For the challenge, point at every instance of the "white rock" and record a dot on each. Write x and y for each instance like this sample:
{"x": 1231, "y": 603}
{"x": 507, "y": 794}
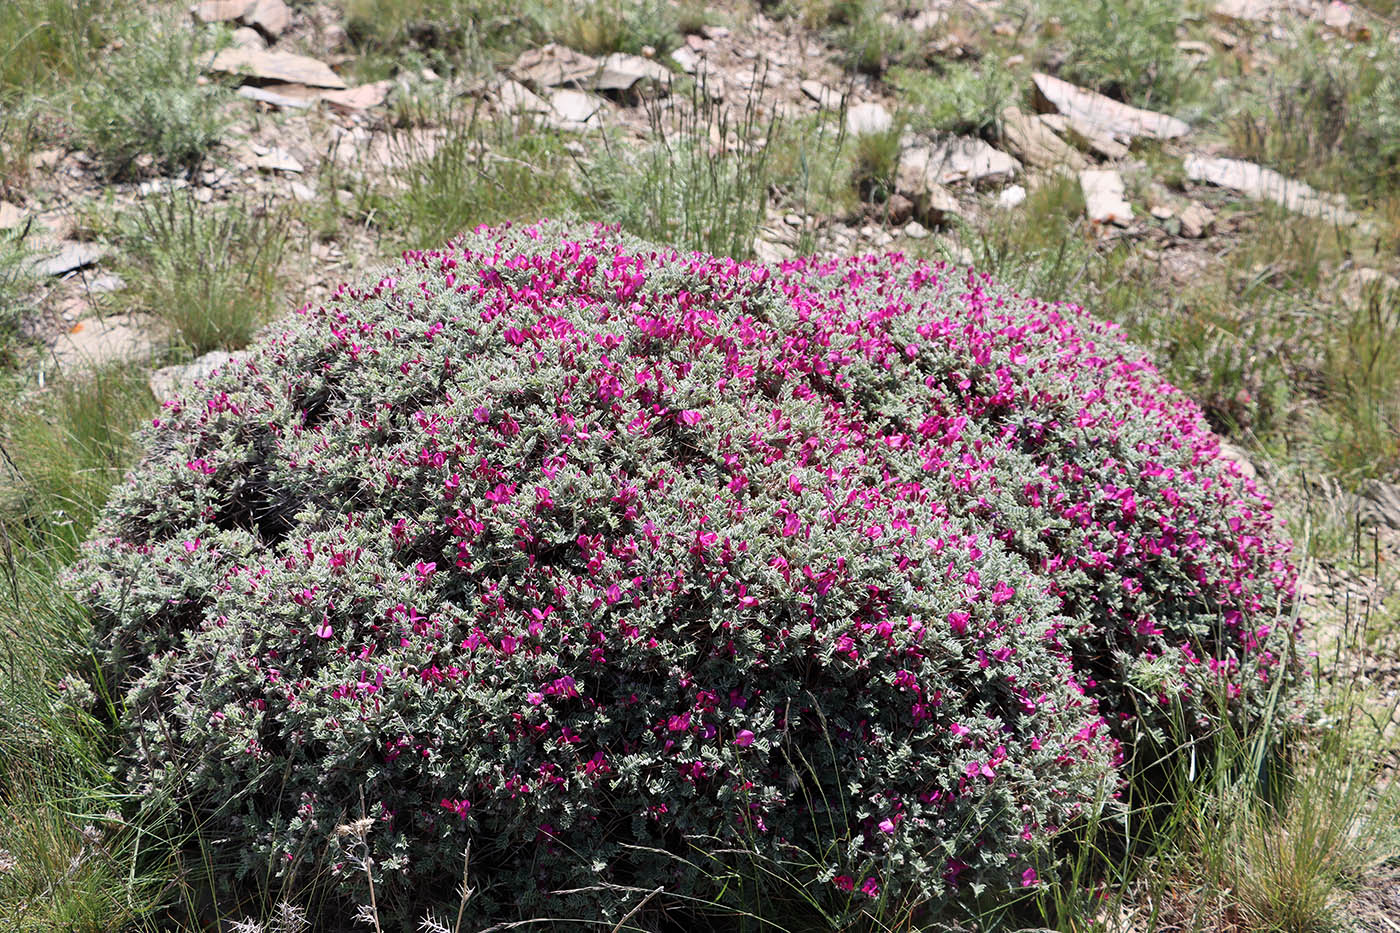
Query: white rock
{"x": 272, "y": 98}
{"x": 956, "y": 159}
{"x": 354, "y": 99}
{"x": 69, "y": 257}
{"x": 554, "y": 65}
{"x": 933, "y": 203}
{"x": 575, "y": 106}
{"x": 1265, "y": 184}
{"x": 621, "y": 72}
{"x": 107, "y": 282}
{"x": 279, "y": 160}
{"x": 686, "y": 58}
{"x": 10, "y": 216}
{"x": 1338, "y": 16}
{"x": 276, "y": 66}
{"x": 765, "y": 251}
{"x": 1012, "y": 196}
{"x": 1103, "y": 197}
{"x": 865, "y": 119}
{"x": 1196, "y": 220}
{"x": 95, "y": 341}
{"x": 915, "y": 230}
{"x": 517, "y": 98}
{"x": 219, "y": 11}
{"x": 1092, "y": 114}
{"x": 246, "y": 37}
{"x": 168, "y": 380}
{"x": 301, "y": 192}
{"x": 269, "y": 17}
{"x": 1036, "y": 142}
{"x": 1250, "y": 11}
{"x": 825, "y": 97}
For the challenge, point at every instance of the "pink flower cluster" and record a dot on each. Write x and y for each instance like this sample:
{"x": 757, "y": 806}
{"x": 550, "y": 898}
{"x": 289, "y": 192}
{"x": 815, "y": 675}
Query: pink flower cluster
{"x": 558, "y": 530}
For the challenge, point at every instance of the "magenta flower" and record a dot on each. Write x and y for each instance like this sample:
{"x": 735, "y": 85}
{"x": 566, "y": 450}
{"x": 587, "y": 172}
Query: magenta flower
{"x": 870, "y": 887}
{"x": 744, "y": 739}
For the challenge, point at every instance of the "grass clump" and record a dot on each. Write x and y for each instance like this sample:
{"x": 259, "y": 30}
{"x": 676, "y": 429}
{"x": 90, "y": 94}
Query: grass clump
{"x": 704, "y": 185}
{"x": 478, "y": 170}
{"x": 148, "y": 104}
{"x": 446, "y": 33}
{"x": 17, "y": 282}
{"x": 209, "y": 276}
{"x": 47, "y": 43}
{"x": 599, "y": 27}
{"x": 68, "y": 854}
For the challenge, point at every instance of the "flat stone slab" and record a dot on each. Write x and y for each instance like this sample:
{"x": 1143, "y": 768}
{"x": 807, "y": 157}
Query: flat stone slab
{"x": 867, "y": 119}
{"x": 364, "y": 97}
{"x": 622, "y": 72}
{"x": 1099, "y": 114}
{"x": 553, "y": 66}
{"x": 958, "y": 159}
{"x": 1036, "y": 142}
{"x": 10, "y": 216}
{"x": 1265, "y": 184}
{"x": 97, "y": 341}
{"x": 517, "y": 98}
{"x": 825, "y": 97}
{"x": 1103, "y": 197}
{"x": 70, "y": 256}
{"x": 269, "y": 95}
{"x": 169, "y": 380}
{"x": 220, "y": 11}
{"x": 276, "y": 66}
{"x": 575, "y": 106}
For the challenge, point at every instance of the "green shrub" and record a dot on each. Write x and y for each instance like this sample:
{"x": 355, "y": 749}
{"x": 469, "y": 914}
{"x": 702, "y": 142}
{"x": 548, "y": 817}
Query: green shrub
{"x": 956, "y": 98}
{"x": 147, "y": 101}
{"x": 1123, "y": 48}
{"x": 603, "y": 560}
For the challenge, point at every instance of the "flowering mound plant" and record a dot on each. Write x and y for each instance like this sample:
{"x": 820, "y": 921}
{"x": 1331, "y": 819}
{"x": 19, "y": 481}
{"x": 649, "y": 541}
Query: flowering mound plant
{"x": 607, "y": 560}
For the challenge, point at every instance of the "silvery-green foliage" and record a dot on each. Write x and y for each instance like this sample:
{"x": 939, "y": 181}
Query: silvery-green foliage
{"x": 596, "y": 557}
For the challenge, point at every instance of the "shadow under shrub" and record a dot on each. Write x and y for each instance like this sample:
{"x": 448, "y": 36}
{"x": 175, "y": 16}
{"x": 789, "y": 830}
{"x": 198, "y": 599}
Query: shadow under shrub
{"x": 590, "y": 553}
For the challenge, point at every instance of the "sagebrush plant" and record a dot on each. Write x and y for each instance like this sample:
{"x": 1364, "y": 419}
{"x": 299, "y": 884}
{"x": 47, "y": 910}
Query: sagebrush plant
{"x": 591, "y": 555}
{"x": 1141, "y": 65}
{"x": 956, "y": 97}
{"x": 146, "y": 101}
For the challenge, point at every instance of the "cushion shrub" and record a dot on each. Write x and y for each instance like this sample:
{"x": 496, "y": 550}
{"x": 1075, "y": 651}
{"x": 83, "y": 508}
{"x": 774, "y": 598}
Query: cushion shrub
{"x": 608, "y": 559}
